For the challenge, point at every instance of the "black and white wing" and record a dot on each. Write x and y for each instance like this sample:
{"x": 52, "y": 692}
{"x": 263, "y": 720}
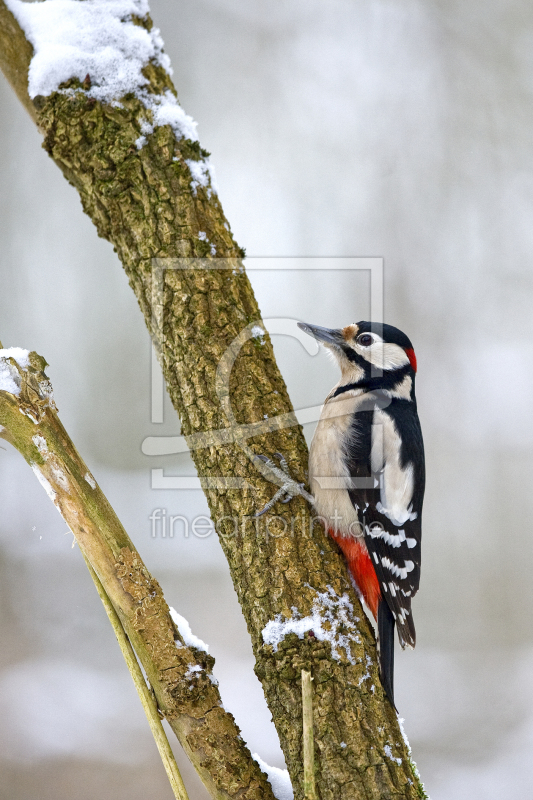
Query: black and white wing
{"x": 387, "y": 446}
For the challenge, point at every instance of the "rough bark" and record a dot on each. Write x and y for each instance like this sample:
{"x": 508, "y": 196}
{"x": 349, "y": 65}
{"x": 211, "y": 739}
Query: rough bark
{"x": 180, "y": 676}
{"x": 144, "y": 202}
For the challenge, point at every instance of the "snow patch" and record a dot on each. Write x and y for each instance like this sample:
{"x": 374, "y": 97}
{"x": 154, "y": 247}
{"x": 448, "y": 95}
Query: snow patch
{"x": 165, "y": 111}
{"x": 99, "y": 39}
{"x": 72, "y": 39}
{"x": 258, "y": 333}
{"x": 388, "y": 752}
{"x": 367, "y": 673}
{"x": 329, "y": 614}
{"x": 401, "y": 720}
{"x": 185, "y": 630}
{"x": 404, "y": 735}
{"x": 278, "y": 778}
{"x": 203, "y": 238}
{"x": 90, "y": 480}
{"x": 44, "y": 483}
{"x": 203, "y": 174}
{"x": 21, "y": 356}
{"x": 9, "y": 377}
{"x": 192, "y": 673}
{"x": 40, "y": 444}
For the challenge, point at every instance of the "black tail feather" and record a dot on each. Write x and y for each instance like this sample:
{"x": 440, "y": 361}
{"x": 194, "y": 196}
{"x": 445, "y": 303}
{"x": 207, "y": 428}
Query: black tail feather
{"x": 386, "y": 625}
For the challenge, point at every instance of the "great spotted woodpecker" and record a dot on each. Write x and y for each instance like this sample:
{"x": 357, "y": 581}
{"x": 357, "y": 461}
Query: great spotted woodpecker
{"x": 367, "y": 476}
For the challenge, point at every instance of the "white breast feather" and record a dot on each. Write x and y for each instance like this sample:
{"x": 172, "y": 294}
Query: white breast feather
{"x": 327, "y": 460}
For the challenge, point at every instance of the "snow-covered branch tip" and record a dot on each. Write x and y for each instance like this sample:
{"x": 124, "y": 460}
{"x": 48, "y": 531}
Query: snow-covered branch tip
{"x": 107, "y": 45}
{"x": 22, "y": 375}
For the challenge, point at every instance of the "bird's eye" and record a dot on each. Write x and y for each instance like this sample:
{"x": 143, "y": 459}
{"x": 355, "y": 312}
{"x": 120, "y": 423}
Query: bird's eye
{"x": 365, "y": 340}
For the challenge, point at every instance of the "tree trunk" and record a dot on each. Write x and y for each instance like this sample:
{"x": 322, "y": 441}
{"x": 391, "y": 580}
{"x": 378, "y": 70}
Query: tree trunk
{"x": 149, "y": 205}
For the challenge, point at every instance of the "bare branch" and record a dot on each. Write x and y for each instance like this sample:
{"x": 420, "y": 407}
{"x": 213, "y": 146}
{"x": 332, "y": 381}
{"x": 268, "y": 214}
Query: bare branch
{"x": 181, "y": 677}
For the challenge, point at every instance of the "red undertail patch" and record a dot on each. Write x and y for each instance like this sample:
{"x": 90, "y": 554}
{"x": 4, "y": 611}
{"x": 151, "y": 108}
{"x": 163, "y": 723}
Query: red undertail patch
{"x": 361, "y": 568}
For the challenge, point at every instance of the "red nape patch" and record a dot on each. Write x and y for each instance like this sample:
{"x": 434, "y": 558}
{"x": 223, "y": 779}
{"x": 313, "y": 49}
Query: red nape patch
{"x": 411, "y": 356}
{"x": 361, "y": 568}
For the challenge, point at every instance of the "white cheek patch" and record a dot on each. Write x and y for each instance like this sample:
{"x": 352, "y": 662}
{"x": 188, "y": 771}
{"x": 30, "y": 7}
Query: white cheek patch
{"x": 384, "y": 355}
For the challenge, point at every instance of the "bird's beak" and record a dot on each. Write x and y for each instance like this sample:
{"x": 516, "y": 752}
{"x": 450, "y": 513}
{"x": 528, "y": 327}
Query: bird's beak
{"x": 331, "y": 336}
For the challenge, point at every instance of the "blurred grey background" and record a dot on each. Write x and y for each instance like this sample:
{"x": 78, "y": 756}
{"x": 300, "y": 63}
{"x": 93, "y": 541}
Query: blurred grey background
{"x": 394, "y": 129}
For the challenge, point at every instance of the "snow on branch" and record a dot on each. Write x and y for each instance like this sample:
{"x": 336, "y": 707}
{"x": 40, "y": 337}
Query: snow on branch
{"x": 103, "y": 44}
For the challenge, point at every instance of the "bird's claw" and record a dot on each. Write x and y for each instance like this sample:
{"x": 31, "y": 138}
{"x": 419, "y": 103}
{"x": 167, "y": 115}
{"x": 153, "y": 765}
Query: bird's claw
{"x": 289, "y": 488}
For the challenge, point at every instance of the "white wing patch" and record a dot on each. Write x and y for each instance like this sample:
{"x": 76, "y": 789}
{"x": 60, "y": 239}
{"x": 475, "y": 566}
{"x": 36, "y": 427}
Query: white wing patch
{"x": 400, "y": 572}
{"x": 394, "y": 539}
{"x": 397, "y": 484}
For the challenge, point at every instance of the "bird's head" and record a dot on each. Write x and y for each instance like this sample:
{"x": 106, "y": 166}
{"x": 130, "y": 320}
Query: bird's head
{"x": 368, "y": 353}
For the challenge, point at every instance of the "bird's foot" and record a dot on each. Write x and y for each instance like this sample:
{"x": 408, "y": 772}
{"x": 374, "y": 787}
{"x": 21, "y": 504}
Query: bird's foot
{"x": 289, "y": 487}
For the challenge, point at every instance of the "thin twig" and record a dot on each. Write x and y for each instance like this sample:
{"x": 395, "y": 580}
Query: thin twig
{"x": 145, "y": 696}
{"x": 308, "y": 738}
